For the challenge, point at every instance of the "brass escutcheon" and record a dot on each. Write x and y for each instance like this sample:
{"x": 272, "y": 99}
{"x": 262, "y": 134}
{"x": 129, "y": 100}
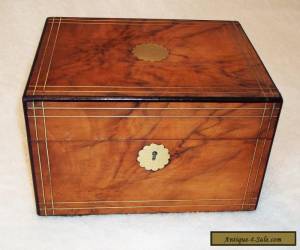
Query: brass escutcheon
{"x": 153, "y": 157}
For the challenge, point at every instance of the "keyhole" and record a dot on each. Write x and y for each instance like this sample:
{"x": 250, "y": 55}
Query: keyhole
{"x": 154, "y": 154}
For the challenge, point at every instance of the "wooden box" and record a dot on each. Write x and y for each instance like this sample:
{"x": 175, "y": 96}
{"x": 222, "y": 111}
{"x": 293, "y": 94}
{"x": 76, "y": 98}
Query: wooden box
{"x": 144, "y": 116}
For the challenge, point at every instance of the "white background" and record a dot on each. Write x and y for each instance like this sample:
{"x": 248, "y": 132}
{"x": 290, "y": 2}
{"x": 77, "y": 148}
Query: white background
{"x": 274, "y": 29}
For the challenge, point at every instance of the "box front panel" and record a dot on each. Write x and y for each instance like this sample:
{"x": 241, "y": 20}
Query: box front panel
{"x": 85, "y": 155}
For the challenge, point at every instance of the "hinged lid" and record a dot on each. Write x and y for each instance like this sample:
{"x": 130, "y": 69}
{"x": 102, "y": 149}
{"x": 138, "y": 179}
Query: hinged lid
{"x": 138, "y": 59}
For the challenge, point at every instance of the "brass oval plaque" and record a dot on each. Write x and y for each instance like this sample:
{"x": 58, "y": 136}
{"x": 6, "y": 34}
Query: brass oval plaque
{"x": 153, "y": 157}
{"x": 150, "y": 52}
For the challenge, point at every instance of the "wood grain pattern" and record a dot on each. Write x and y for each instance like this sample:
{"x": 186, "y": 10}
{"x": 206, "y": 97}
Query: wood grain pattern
{"x": 84, "y": 57}
{"x": 88, "y": 165}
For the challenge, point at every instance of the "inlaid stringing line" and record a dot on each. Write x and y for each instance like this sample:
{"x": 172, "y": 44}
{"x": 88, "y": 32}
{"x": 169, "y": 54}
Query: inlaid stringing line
{"x": 253, "y": 157}
{"x": 139, "y": 87}
{"x": 149, "y": 116}
{"x": 39, "y": 159}
{"x": 48, "y": 160}
{"x": 52, "y": 54}
{"x": 43, "y": 58}
{"x": 146, "y": 108}
{"x": 130, "y": 23}
{"x": 149, "y": 206}
{"x": 263, "y": 149}
{"x": 247, "y": 59}
{"x": 137, "y": 201}
{"x": 132, "y": 20}
{"x": 102, "y": 140}
{"x": 131, "y": 91}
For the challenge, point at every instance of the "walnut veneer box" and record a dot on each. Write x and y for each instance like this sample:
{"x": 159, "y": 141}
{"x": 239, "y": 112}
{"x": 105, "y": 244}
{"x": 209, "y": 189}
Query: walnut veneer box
{"x": 138, "y": 116}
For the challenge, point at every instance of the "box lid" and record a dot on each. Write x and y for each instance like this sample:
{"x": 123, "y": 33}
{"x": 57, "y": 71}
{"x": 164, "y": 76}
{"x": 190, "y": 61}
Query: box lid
{"x": 147, "y": 59}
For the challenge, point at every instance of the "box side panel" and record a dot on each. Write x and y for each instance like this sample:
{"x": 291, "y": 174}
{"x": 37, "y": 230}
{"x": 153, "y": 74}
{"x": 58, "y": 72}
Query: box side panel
{"x": 85, "y": 156}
